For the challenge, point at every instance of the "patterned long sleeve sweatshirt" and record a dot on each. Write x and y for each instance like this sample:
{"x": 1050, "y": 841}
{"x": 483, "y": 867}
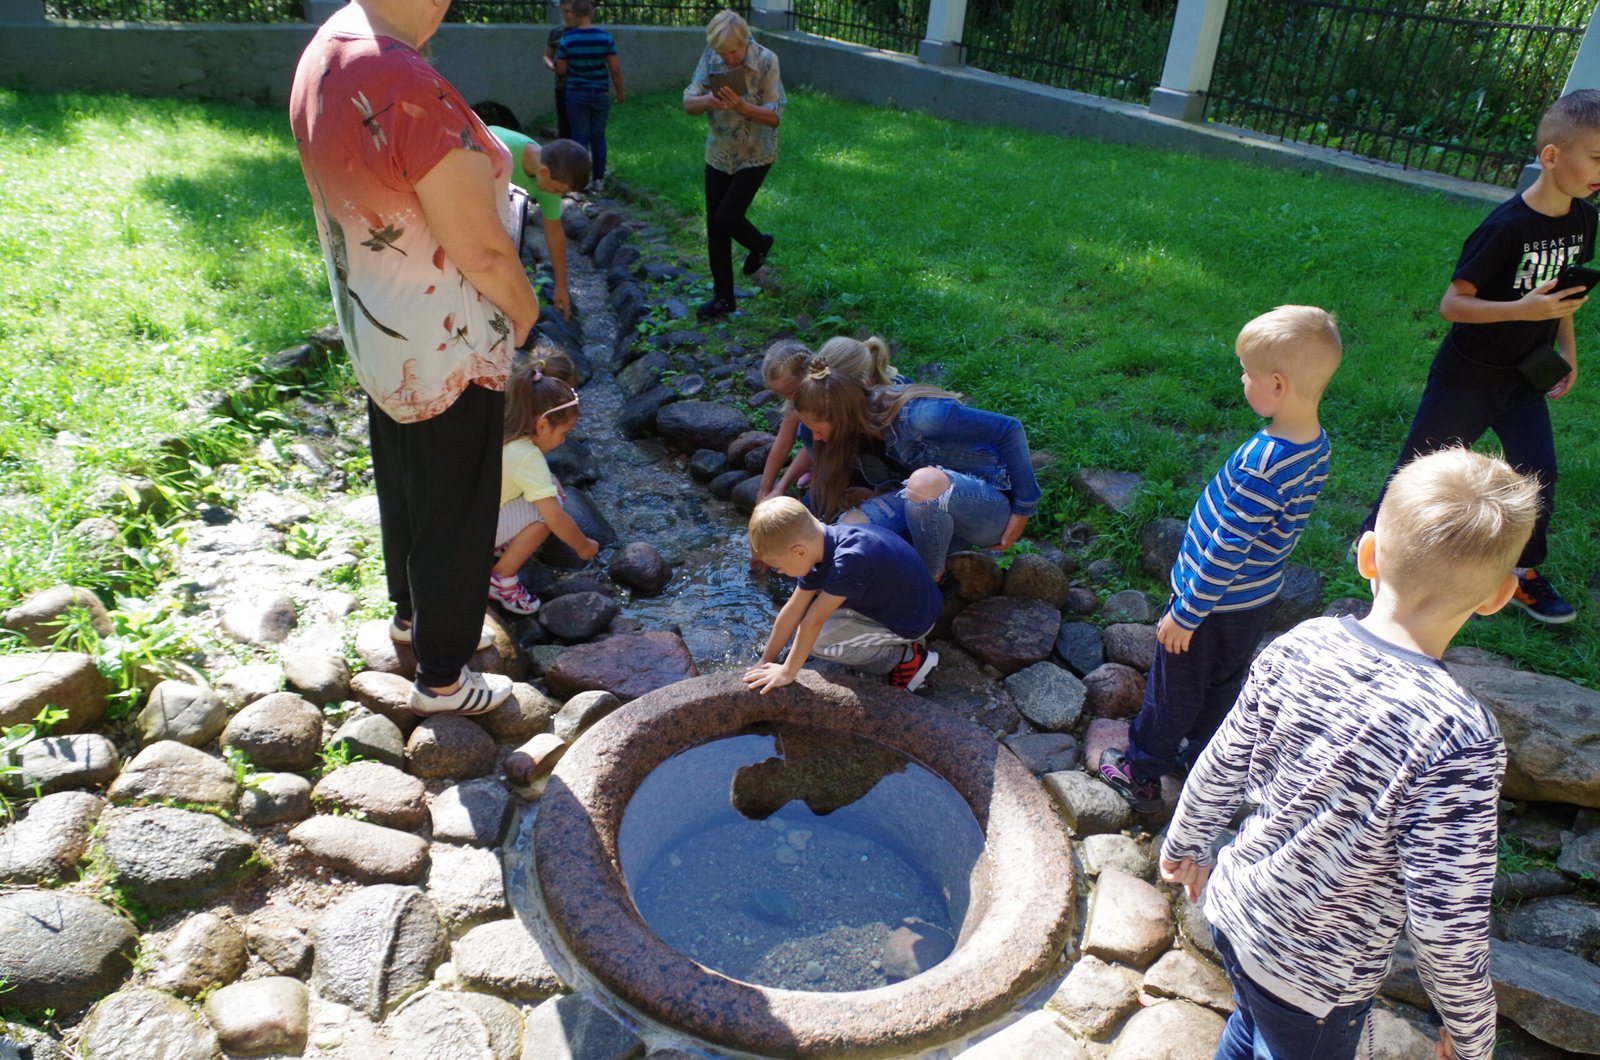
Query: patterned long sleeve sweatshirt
{"x": 1376, "y": 779}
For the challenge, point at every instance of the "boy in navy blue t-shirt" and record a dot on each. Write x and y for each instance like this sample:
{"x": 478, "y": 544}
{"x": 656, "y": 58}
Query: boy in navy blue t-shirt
{"x": 865, "y": 598}
{"x": 1511, "y": 342}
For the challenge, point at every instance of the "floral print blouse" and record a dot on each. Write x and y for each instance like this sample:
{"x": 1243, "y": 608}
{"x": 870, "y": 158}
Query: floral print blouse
{"x": 736, "y": 142}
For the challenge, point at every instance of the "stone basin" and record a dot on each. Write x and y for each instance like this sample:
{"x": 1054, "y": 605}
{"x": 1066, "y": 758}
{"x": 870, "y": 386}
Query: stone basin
{"x": 1017, "y": 921}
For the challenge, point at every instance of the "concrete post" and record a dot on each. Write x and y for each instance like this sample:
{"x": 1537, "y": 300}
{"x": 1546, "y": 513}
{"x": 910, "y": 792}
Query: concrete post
{"x": 1191, "y": 53}
{"x": 552, "y": 12}
{"x": 22, "y": 11}
{"x": 947, "y": 20}
{"x": 1585, "y": 73}
{"x": 319, "y": 11}
{"x": 771, "y": 14}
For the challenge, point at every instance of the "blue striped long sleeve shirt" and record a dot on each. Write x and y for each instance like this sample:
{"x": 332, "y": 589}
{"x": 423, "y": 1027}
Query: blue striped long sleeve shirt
{"x": 1376, "y": 779}
{"x": 1244, "y": 526}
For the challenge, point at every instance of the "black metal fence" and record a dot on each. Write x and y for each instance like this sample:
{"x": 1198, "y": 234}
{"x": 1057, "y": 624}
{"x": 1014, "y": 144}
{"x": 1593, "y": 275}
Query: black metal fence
{"x": 612, "y": 12}
{"x": 176, "y": 10}
{"x": 1455, "y": 88}
{"x": 893, "y": 25}
{"x": 1109, "y": 48}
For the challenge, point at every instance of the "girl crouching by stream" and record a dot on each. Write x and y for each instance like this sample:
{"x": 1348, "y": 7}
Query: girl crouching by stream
{"x": 541, "y": 409}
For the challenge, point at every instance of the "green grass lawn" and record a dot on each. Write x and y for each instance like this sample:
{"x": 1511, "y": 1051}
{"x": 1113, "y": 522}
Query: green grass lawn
{"x": 155, "y": 249}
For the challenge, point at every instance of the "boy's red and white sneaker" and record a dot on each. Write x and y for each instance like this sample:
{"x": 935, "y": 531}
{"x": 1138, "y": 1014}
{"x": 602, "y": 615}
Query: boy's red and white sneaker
{"x": 509, "y": 594}
{"x": 911, "y": 672}
{"x": 1539, "y": 598}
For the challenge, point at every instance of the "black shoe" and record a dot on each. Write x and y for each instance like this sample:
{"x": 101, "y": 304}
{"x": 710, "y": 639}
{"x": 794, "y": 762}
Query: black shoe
{"x": 716, "y": 307}
{"x": 757, "y": 258}
{"x": 1539, "y": 598}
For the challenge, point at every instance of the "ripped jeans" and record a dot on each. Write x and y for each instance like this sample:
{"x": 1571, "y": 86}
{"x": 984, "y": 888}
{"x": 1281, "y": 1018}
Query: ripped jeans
{"x": 970, "y": 514}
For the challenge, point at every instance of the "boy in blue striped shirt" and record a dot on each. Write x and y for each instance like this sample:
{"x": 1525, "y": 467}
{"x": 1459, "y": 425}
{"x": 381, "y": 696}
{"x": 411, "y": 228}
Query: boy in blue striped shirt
{"x": 587, "y": 57}
{"x": 1239, "y": 537}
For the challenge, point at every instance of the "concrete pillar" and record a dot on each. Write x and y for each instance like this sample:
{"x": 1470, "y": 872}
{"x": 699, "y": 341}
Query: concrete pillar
{"x": 1585, "y": 73}
{"x": 22, "y": 11}
{"x": 771, "y": 14}
{"x": 319, "y": 11}
{"x": 947, "y": 20}
{"x": 1191, "y": 53}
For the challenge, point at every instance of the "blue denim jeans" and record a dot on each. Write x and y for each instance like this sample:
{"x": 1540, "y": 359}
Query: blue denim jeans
{"x": 587, "y": 110}
{"x": 970, "y": 514}
{"x": 1264, "y": 1028}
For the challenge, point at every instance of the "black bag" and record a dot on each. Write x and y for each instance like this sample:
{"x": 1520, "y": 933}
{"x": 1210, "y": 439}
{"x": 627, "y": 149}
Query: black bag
{"x": 1544, "y": 366}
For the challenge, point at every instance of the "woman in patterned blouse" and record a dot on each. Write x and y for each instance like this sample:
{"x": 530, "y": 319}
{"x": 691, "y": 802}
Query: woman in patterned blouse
{"x": 741, "y": 148}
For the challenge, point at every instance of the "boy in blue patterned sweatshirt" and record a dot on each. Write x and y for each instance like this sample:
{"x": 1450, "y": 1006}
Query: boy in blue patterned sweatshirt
{"x": 1239, "y": 537}
{"x": 1376, "y": 779}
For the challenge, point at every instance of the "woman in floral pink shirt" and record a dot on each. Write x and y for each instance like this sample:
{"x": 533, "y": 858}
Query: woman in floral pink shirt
{"x": 409, "y": 191}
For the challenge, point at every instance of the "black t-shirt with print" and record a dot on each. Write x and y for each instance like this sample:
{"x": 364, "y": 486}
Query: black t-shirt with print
{"x": 1514, "y": 250}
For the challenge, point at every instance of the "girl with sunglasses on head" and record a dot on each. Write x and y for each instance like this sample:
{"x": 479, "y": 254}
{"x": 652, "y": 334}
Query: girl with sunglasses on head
{"x": 541, "y": 409}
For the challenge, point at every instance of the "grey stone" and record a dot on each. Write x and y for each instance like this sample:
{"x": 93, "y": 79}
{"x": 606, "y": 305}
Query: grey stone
{"x": 1551, "y": 728}
{"x": 448, "y": 1025}
{"x": 723, "y": 485}
{"x": 1045, "y": 752}
{"x": 171, "y": 770}
{"x": 47, "y": 842}
{"x": 473, "y": 812}
{"x": 1113, "y": 690}
{"x": 66, "y": 680}
{"x": 741, "y": 447}
{"x": 1580, "y": 855}
{"x": 578, "y": 617}
{"x": 1131, "y": 645}
{"x": 387, "y": 695}
{"x": 1180, "y": 974}
{"x": 501, "y": 957}
{"x": 1160, "y": 541}
{"x": 525, "y": 715}
{"x": 206, "y": 952}
{"x": 1036, "y": 1035}
{"x": 1081, "y": 601}
{"x": 707, "y": 464}
{"x": 320, "y": 677}
{"x": 169, "y": 858}
{"x": 449, "y": 748}
{"x": 643, "y": 374}
{"x": 1533, "y": 883}
{"x": 1080, "y": 646}
{"x": 375, "y": 737}
{"x": 691, "y": 425}
{"x": 280, "y": 936}
{"x": 61, "y": 950}
{"x": 41, "y": 617}
{"x": 272, "y": 798}
{"x": 262, "y": 620}
{"x": 1171, "y": 1030}
{"x": 183, "y": 712}
{"x": 755, "y": 461}
{"x": 281, "y": 731}
{"x": 1096, "y": 996}
{"x": 1195, "y": 927}
{"x": 383, "y": 793}
{"x": 1550, "y": 994}
{"x": 146, "y": 1023}
{"x": 61, "y": 763}
{"x": 573, "y": 463}
{"x": 582, "y": 711}
{"x": 572, "y": 1027}
{"x": 744, "y": 496}
{"x": 1395, "y": 1038}
{"x": 1129, "y": 605}
{"x": 270, "y": 1015}
{"x": 976, "y": 574}
{"x": 367, "y": 853}
{"x": 1300, "y": 597}
{"x": 466, "y": 884}
{"x": 1129, "y": 920}
{"x": 274, "y": 509}
{"x": 638, "y": 415}
{"x": 1109, "y": 489}
{"x": 375, "y": 947}
{"x": 640, "y": 567}
{"x": 1047, "y": 695}
{"x": 1562, "y": 923}
{"x": 1112, "y": 850}
{"x": 1008, "y": 632}
{"x": 243, "y": 685}
{"x": 1088, "y": 806}
{"x": 1037, "y": 578}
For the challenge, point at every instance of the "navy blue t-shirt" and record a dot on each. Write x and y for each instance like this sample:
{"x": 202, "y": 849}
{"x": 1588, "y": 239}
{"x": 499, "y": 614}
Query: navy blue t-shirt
{"x": 585, "y": 49}
{"x": 879, "y": 575}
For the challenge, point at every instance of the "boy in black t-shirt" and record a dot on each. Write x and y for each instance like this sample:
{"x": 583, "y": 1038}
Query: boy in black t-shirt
{"x": 865, "y": 598}
{"x": 1506, "y": 318}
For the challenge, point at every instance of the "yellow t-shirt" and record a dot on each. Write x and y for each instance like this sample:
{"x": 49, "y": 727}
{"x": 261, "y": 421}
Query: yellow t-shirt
{"x": 524, "y": 473}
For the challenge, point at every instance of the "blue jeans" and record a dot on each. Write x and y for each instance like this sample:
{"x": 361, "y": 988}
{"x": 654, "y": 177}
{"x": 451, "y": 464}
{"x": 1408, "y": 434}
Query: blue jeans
{"x": 970, "y": 514}
{"x": 587, "y": 110}
{"x": 1264, "y": 1028}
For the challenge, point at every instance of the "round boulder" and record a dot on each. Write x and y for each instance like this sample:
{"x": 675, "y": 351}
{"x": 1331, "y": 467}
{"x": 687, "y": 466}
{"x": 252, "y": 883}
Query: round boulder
{"x": 1035, "y": 577}
{"x": 578, "y": 616}
{"x": 1008, "y": 632}
{"x": 61, "y": 950}
{"x": 41, "y": 617}
{"x": 691, "y": 425}
{"x": 1113, "y": 691}
{"x": 282, "y": 731}
{"x": 167, "y": 857}
{"x": 640, "y": 567}
{"x": 450, "y": 747}
{"x": 178, "y": 710}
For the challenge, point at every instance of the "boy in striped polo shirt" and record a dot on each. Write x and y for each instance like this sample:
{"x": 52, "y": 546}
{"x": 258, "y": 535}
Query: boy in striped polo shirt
{"x": 1239, "y": 538}
{"x": 587, "y": 57}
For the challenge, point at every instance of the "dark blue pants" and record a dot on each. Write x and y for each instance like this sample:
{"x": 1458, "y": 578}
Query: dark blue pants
{"x": 1186, "y": 696}
{"x": 587, "y": 110}
{"x": 1454, "y": 414}
{"x": 1264, "y": 1028}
